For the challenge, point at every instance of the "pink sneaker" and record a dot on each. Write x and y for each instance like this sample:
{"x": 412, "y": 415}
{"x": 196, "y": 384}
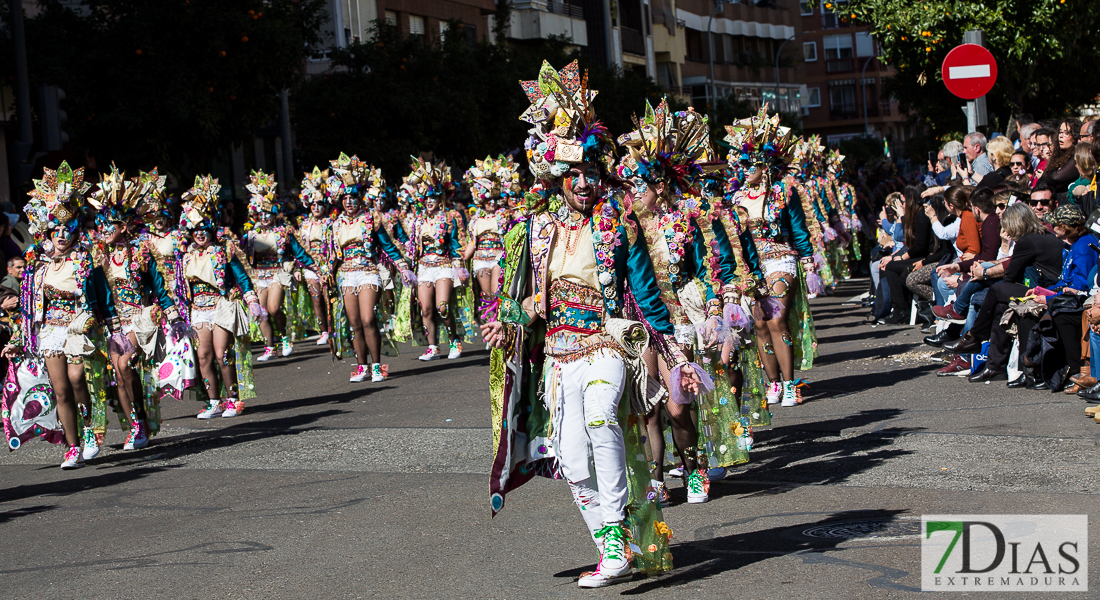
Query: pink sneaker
{"x": 360, "y": 374}
{"x": 73, "y": 459}
{"x": 431, "y": 354}
{"x": 269, "y": 353}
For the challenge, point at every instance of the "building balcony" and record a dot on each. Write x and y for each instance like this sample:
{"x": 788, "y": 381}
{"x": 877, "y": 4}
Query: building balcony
{"x": 633, "y": 41}
{"x": 840, "y": 65}
{"x": 539, "y": 19}
{"x": 843, "y": 113}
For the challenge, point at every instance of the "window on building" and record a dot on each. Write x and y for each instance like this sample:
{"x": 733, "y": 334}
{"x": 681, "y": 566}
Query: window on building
{"x": 838, "y": 53}
{"x": 865, "y": 44}
{"x": 842, "y": 101}
{"x": 809, "y": 51}
{"x": 728, "y": 51}
{"x": 814, "y": 99}
{"x": 391, "y": 18}
{"x": 807, "y": 7}
{"x": 416, "y": 25}
{"x": 696, "y": 45}
{"x": 831, "y": 11}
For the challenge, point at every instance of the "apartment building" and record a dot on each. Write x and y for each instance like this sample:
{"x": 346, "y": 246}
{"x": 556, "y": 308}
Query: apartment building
{"x": 843, "y": 78}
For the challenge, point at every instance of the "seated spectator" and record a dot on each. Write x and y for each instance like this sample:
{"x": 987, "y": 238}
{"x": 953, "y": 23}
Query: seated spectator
{"x": 919, "y": 243}
{"x": 1019, "y": 165}
{"x": 1037, "y": 258}
{"x": 1077, "y": 265}
{"x": 919, "y": 280}
{"x": 1086, "y": 171}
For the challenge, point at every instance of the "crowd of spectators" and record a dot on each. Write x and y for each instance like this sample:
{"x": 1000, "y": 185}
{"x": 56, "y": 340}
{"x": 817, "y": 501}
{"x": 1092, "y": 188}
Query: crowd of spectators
{"x": 995, "y": 254}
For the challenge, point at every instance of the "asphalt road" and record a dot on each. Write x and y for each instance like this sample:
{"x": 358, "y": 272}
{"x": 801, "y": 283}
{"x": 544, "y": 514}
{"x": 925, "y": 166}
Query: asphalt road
{"x": 328, "y": 489}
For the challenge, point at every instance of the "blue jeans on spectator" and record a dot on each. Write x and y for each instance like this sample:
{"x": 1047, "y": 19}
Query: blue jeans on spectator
{"x": 1094, "y": 351}
{"x": 976, "y": 300}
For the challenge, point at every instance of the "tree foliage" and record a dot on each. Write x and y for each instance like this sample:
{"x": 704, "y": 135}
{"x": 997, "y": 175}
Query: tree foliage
{"x": 1046, "y": 50}
{"x": 394, "y": 95}
{"x": 172, "y": 83}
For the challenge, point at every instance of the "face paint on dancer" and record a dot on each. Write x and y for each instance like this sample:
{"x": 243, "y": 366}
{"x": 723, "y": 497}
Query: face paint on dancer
{"x": 62, "y": 239}
{"x": 351, "y": 205}
{"x": 431, "y": 203}
{"x": 110, "y": 232}
{"x": 317, "y": 210}
{"x": 267, "y": 219}
{"x": 202, "y": 237}
{"x": 581, "y": 187}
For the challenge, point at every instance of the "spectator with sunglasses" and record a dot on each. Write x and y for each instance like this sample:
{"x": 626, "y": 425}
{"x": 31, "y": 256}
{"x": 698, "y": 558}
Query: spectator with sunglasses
{"x": 1042, "y": 202}
{"x": 1019, "y": 165}
{"x": 1041, "y": 150}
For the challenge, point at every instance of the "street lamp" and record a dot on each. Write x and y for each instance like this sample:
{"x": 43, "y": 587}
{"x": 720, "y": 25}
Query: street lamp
{"x": 711, "y": 92}
{"x": 778, "y": 53}
{"x": 863, "y": 86}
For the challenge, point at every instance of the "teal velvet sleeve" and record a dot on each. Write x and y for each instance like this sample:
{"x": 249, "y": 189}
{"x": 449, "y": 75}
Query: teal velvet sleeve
{"x": 727, "y": 260}
{"x": 383, "y": 241}
{"x": 699, "y": 257}
{"x": 240, "y": 276}
{"x": 796, "y": 223}
{"x": 636, "y": 265}
{"x": 97, "y": 294}
{"x": 752, "y": 257}
{"x": 399, "y": 231}
{"x": 155, "y": 286}
{"x": 300, "y": 253}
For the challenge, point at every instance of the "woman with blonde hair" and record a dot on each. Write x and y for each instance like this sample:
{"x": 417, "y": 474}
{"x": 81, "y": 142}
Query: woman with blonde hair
{"x": 1000, "y": 154}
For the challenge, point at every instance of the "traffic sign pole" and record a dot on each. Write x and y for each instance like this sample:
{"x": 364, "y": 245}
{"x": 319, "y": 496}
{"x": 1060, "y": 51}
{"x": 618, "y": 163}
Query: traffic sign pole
{"x": 977, "y": 105}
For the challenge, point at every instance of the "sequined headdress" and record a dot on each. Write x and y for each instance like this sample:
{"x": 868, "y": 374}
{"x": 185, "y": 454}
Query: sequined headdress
{"x": 263, "y": 199}
{"x": 56, "y": 201}
{"x": 760, "y": 140}
{"x": 564, "y": 127}
{"x": 427, "y": 180}
{"x": 492, "y": 179}
{"x": 667, "y": 147}
{"x": 348, "y": 175}
{"x": 201, "y": 204}
{"x": 117, "y": 199}
{"x": 313, "y": 187}
{"x": 834, "y": 162}
{"x": 154, "y": 203}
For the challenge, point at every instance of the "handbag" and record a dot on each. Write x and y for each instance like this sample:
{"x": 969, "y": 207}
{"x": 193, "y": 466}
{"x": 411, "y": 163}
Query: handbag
{"x": 30, "y": 407}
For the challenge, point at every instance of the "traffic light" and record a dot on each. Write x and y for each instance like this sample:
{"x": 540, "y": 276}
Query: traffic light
{"x": 51, "y": 118}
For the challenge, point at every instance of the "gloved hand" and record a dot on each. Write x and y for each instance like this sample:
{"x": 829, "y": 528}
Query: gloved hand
{"x": 179, "y": 331}
{"x": 258, "y": 312}
{"x": 408, "y": 278}
{"x": 119, "y": 344}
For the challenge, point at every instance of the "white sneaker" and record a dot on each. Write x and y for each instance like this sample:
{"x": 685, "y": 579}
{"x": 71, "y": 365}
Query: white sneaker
{"x": 323, "y": 340}
{"x": 212, "y": 410}
{"x": 677, "y": 471}
{"x": 376, "y": 374}
{"x": 359, "y": 374}
{"x": 775, "y": 392}
{"x": 431, "y": 354}
{"x": 288, "y": 347}
{"x": 614, "y": 564}
{"x": 91, "y": 445}
{"x": 698, "y": 487}
{"x": 73, "y": 459}
{"x": 456, "y": 350}
{"x": 790, "y": 394}
{"x": 269, "y": 352}
{"x": 231, "y": 409}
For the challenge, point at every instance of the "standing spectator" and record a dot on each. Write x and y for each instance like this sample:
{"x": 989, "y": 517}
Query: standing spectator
{"x": 974, "y": 146}
{"x": 8, "y": 247}
{"x": 1061, "y": 171}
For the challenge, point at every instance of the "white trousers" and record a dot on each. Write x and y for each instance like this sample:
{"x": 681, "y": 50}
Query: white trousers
{"x": 583, "y": 398}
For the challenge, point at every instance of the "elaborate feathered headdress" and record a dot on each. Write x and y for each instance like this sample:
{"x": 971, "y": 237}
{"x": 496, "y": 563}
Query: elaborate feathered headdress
{"x": 154, "y": 203}
{"x": 201, "y": 204}
{"x": 564, "y": 127}
{"x": 493, "y": 178}
{"x": 427, "y": 180}
{"x": 263, "y": 199}
{"x": 834, "y": 162}
{"x": 57, "y": 200}
{"x": 667, "y": 147}
{"x": 313, "y": 187}
{"x": 117, "y": 199}
{"x": 759, "y": 140}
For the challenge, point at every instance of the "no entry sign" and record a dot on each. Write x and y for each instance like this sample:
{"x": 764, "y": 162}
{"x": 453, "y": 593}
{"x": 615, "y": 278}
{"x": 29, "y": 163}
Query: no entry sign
{"x": 969, "y": 71}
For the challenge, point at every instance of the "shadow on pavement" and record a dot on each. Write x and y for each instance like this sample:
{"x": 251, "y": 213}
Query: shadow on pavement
{"x": 862, "y": 382}
{"x": 76, "y": 485}
{"x": 15, "y": 513}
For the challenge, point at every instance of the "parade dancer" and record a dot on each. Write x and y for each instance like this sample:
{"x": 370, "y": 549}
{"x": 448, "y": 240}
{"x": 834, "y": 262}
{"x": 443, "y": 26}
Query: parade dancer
{"x": 567, "y": 272}
{"x": 271, "y": 245}
{"x": 435, "y": 245}
{"x": 315, "y": 229}
{"x": 136, "y": 290}
{"x": 663, "y": 176}
{"x": 492, "y": 183}
{"x": 61, "y": 307}
{"x": 360, "y": 244}
{"x": 763, "y": 149}
{"x": 215, "y": 284}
